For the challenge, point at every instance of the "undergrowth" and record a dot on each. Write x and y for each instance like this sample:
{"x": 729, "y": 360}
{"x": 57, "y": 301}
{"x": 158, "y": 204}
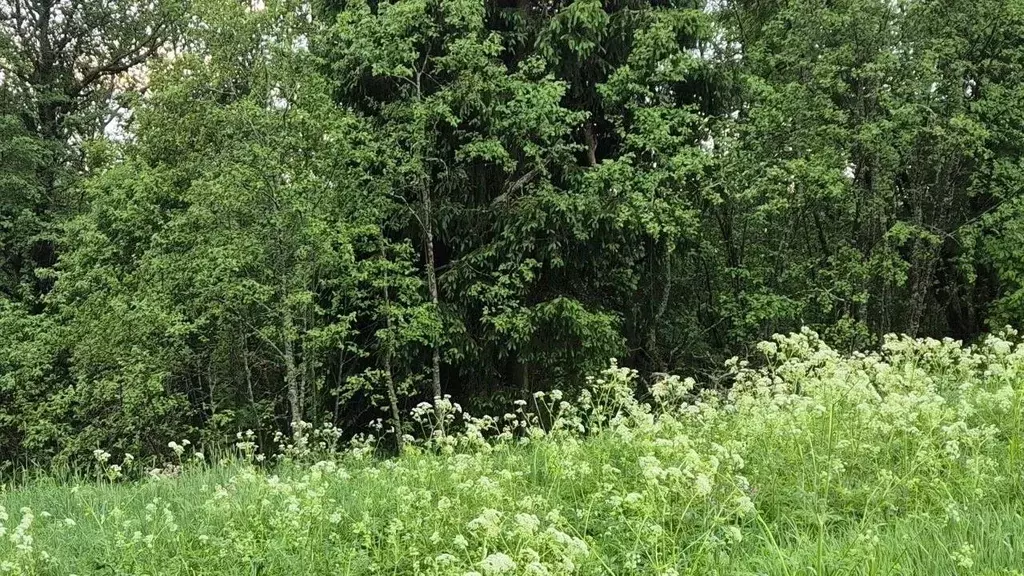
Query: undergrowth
{"x": 903, "y": 461}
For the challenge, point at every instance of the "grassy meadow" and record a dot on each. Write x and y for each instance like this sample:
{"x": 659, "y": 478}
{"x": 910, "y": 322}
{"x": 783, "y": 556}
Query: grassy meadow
{"x": 902, "y": 461}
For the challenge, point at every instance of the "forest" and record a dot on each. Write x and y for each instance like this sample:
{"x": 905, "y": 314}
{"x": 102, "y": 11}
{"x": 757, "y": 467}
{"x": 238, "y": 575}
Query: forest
{"x": 230, "y": 215}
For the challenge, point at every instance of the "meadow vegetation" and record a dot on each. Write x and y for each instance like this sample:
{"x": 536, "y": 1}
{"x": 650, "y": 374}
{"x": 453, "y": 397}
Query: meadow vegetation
{"x": 221, "y": 215}
{"x": 906, "y": 460}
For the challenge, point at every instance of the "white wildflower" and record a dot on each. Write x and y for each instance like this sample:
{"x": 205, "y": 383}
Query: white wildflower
{"x": 498, "y": 563}
{"x": 528, "y": 523}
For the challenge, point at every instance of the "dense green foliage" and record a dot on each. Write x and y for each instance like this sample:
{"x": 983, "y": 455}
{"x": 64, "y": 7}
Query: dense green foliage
{"x": 218, "y": 215}
{"x": 904, "y": 461}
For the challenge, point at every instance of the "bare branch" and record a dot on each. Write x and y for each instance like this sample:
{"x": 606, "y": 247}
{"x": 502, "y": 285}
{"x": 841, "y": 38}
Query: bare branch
{"x": 122, "y": 62}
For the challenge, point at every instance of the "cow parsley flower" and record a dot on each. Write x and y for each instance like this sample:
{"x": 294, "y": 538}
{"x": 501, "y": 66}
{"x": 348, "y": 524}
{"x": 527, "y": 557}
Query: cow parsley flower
{"x": 488, "y": 523}
{"x": 745, "y": 506}
{"x": 498, "y": 563}
{"x": 527, "y": 523}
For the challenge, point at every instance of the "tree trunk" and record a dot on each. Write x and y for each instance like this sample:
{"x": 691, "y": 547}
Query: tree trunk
{"x": 389, "y": 381}
{"x": 657, "y": 361}
{"x": 396, "y": 414}
{"x": 248, "y": 386}
{"x": 926, "y": 257}
{"x": 521, "y": 374}
{"x": 306, "y": 376}
{"x": 428, "y": 240}
{"x": 339, "y": 379}
{"x": 591, "y": 141}
{"x": 291, "y": 372}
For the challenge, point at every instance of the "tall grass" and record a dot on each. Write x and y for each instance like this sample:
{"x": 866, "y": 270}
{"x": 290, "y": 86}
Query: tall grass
{"x": 905, "y": 461}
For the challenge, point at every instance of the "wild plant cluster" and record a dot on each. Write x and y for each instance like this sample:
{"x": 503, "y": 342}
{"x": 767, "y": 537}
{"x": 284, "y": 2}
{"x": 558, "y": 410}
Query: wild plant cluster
{"x": 906, "y": 460}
